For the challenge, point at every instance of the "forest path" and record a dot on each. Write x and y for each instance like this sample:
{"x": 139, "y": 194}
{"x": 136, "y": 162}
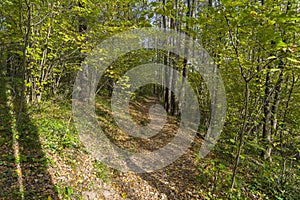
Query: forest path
{"x": 175, "y": 181}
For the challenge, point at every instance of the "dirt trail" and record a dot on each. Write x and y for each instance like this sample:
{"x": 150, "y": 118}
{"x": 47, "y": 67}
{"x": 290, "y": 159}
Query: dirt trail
{"x": 176, "y": 181}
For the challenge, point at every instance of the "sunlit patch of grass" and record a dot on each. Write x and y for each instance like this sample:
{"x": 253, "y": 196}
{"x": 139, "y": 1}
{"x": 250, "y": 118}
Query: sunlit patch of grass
{"x": 102, "y": 171}
{"x": 56, "y": 129}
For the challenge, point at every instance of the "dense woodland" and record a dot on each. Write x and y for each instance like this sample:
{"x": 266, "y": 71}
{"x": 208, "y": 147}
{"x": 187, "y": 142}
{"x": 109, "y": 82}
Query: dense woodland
{"x": 254, "y": 44}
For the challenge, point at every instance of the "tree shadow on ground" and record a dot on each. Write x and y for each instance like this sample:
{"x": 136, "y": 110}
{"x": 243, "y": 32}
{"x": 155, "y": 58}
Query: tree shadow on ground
{"x": 35, "y": 179}
{"x": 9, "y": 187}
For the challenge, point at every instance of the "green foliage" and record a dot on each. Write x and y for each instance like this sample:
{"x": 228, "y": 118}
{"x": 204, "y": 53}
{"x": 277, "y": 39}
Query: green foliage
{"x": 57, "y": 130}
{"x": 102, "y": 171}
{"x": 65, "y": 192}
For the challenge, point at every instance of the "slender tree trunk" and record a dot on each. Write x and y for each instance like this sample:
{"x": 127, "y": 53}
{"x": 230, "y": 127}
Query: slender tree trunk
{"x": 241, "y": 134}
{"x": 267, "y": 140}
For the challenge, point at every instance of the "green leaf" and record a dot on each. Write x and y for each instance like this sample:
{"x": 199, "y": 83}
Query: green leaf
{"x": 274, "y": 70}
{"x": 281, "y": 44}
{"x": 271, "y": 57}
{"x": 293, "y": 60}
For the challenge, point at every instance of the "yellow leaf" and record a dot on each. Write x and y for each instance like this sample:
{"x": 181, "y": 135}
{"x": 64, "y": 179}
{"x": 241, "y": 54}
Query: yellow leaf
{"x": 253, "y": 13}
{"x": 19, "y": 172}
{"x": 124, "y": 195}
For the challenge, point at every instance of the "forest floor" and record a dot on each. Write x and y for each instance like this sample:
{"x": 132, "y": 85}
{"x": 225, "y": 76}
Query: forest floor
{"x": 176, "y": 181}
{"x": 42, "y": 157}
